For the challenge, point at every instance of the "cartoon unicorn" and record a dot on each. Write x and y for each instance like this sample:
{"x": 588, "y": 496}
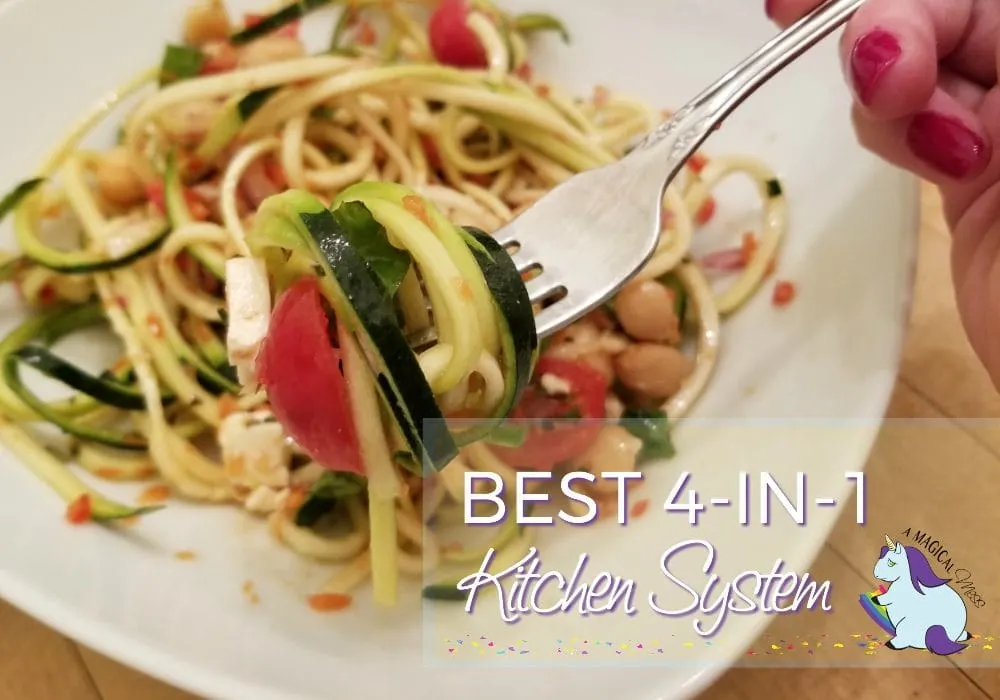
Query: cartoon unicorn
{"x": 925, "y": 612}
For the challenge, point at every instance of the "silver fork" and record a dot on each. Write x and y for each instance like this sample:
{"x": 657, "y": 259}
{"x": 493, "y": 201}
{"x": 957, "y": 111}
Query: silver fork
{"x": 592, "y": 233}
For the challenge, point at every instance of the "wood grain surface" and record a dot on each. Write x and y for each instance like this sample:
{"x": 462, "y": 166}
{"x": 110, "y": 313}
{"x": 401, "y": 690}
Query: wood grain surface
{"x": 955, "y": 452}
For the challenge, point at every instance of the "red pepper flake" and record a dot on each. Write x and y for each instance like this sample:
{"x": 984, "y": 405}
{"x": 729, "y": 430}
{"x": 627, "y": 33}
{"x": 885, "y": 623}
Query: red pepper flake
{"x": 601, "y": 96}
{"x": 227, "y": 406}
{"x": 542, "y": 90}
{"x": 365, "y": 34}
{"x": 296, "y": 497}
{"x": 784, "y": 293}
{"x": 697, "y": 163}
{"x": 47, "y": 294}
{"x": 110, "y": 473}
{"x": 639, "y": 508}
{"x": 155, "y": 325}
{"x": 275, "y": 173}
{"x": 79, "y": 512}
{"x": 329, "y": 602}
{"x": 524, "y": 72}
{"x": 415, "y": 206}
{"x": 430, "y": 151}
{"x": 198, "y": 209}
{"x": 666, "y": 219}
{"x": 706, "y": 212}
{"x": 158, "y": 493}
{"x": 121, "y": 302}
{"x": 748, "y": 248}
{"x": 250, "y": 591}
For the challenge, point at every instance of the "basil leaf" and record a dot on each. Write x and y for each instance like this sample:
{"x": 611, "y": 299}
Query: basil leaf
{"x": 325, "y": 493}
{"x": 653, "y": 429}
{"x": 180, "y": 62}
{"x": 369, "y": 239}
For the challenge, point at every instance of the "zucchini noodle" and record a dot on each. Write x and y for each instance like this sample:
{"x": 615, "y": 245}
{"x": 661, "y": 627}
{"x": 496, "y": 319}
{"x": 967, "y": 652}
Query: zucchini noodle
{"x": 375, "y": 172}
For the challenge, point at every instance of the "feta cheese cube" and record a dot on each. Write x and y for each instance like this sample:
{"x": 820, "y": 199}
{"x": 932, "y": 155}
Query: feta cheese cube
{"x": 254, "y": 453}
{"x": 265, "y": 500}
{"x": 248, "y": 301}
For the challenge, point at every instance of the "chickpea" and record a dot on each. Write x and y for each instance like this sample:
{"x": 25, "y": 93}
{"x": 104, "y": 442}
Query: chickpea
{"x": 206, "y": 21}
{"x": 271, "y": 49}
{"x": 646, "y": 311}
{"x": 117, "y": 180}
{"x": 188, "y": 122}
{"x": 654, "y": 370}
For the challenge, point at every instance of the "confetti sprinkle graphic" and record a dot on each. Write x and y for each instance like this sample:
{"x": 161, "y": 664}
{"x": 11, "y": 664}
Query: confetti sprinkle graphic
{"x": 820, "y": 646}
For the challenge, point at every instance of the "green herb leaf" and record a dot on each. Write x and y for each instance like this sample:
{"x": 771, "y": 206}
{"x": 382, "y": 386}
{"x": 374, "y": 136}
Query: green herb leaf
{"x": 773, "y": 188}
{"x": 653, "y": 429}
{"x": 507, "y": 435}
{"x": 180, "y": 62}
{"x": 336, "y": 486}
{"x": 538, "y": 22}
{"x": 369, "y": 239}
{"x": 325, "y": 493}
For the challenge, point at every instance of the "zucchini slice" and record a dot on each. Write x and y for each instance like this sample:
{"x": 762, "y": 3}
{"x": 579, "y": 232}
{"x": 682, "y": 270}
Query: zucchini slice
{"x": 178, "y": 214}
{"x": 297, "y": 223}
{"x": 227, "y": 125}
{"x": 28, "y": 343}
{"x": 16, "y": 195}
{"x": 277, "y": 20}
{"x": 518, "y": 337}
{"x": 64, "y": 482}
{"x": 76, "y": 262}
{"x": 507, "y": 553}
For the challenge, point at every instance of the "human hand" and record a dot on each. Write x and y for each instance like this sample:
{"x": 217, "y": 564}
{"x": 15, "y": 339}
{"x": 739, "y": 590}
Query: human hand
{"x": 924, "y": 77}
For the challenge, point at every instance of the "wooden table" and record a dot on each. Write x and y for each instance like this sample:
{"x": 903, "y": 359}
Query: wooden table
{"x": 940, "y": 379}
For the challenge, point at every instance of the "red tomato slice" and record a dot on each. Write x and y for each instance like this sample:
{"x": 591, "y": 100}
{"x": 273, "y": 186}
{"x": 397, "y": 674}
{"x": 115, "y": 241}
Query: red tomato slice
{"x": 546, "y": 446}
{"x": 301, "y": 371}
{"x": 452, "y": 42}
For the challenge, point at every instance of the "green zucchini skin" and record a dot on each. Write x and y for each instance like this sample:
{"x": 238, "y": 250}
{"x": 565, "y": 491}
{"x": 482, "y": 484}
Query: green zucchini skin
{"x": 16, "y": 195}
{"x": 518, "y": 337}
{"x": 277, "y": 20}
{"x": 28, "y": 343}
{"x": 104, "y": 390}
{"x": 298, "y": 222}
{"x": 85, "y": 263}
{"x": 230, "y": 121}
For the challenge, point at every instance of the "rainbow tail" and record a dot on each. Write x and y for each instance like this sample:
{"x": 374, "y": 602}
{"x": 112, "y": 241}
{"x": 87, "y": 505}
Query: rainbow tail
{"x": 938, "y": 642}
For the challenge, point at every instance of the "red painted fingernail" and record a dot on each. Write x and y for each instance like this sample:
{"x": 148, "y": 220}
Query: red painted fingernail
{"x": 945, "y": 143}
{"x": 769, "y": 8}
{"x": 873, "y": 54}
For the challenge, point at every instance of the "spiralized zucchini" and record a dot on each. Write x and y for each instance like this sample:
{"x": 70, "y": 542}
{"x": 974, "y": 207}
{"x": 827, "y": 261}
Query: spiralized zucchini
{"x": 377, "y": 169}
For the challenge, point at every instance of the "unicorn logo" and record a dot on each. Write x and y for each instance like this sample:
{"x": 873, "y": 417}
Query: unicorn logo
{"x": 918, "y": 608}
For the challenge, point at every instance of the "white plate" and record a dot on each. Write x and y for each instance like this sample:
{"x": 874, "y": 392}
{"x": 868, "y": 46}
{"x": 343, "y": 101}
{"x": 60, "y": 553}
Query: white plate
{"x": 828, "y": 361}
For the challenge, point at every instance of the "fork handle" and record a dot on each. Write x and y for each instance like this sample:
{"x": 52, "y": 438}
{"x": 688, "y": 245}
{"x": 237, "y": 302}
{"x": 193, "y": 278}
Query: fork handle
{"x": 682, "y": 134}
